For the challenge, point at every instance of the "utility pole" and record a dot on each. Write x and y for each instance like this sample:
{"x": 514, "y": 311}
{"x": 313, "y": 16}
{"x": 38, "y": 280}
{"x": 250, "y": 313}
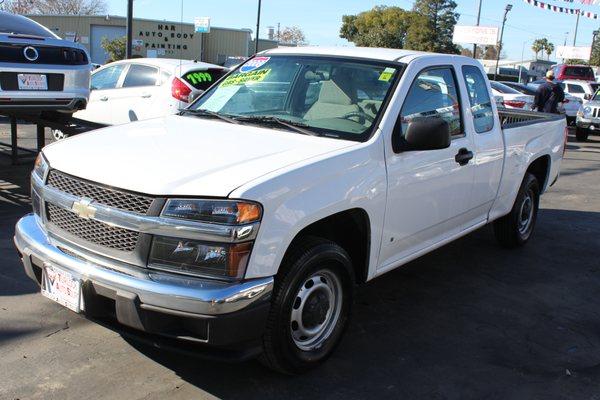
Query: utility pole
{"x": 257, "y": 29}
{"x": 506, "y": 10}
{"x": 478, "y": 19}
{"x": 576, "y": 27}
{"x": 129, "y": 29}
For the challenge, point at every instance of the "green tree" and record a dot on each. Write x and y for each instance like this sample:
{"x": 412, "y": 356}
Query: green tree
{"x": 439, "y": 28}
{"x": 383, "y": 26}
{"x": 115, "y": 48}
{"x": 595, "y": 57}
{"x": 538, "y": 45}
{"x": 549, "y": 49}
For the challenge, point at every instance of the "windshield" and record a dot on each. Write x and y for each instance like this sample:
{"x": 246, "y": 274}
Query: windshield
{"x": 579, "y": 72}
{"x": 18, "y": 25}
{"x": 326, "y": 96}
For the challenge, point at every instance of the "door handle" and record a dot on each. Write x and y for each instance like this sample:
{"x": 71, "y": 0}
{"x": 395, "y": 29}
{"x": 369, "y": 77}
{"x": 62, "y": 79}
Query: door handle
{"x": 146, "y": 95}
{"x": 104, "y": 98}
{"x": 464, "y": 156}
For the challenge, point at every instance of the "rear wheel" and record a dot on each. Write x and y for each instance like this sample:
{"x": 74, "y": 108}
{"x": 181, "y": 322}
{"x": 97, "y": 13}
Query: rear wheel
{"x": 310, "y": 307}
{"x": 516, "y": 228}
{"x": 582, "y": 134}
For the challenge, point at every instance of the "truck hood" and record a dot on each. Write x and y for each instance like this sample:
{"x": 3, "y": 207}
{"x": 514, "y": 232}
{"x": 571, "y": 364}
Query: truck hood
{"x": 183, "y": 155}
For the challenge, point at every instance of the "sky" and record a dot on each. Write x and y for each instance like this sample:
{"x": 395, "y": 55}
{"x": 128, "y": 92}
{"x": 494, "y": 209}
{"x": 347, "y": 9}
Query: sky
{"x": 321, "y": 19}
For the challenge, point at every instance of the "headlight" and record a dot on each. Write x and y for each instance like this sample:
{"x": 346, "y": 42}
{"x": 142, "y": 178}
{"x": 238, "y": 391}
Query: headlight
{"x": 231, "y": 212}
{"x": 587, "y": 110}
{"x": 216, "y": 260}
{"x": 41, "y": 166}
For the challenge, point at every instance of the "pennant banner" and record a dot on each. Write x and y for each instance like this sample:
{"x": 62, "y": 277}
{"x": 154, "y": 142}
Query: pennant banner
{"x": 565, "y": 10}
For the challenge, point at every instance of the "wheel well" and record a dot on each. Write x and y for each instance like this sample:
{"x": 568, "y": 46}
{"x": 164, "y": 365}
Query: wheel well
{"x": 351, "y": 230}
{"x": 539, "y": 168}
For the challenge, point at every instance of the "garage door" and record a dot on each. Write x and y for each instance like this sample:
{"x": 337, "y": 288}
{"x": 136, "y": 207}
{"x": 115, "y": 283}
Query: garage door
{"x": 98, "y": 32}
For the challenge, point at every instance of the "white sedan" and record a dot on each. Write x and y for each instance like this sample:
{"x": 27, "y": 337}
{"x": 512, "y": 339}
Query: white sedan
{"x": 143, "y": 88}
{"x": 512, "y": 98}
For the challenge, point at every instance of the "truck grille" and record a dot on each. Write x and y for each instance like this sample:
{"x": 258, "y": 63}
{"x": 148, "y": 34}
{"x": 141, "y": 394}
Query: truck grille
{"x": 595, "y": 112}
{"x": 92, "y": 231}
{"x": 109, "y": 197}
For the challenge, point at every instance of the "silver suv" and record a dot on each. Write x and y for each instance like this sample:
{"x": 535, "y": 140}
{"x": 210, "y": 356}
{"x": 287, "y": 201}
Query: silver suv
{"x": 38, "y": 70}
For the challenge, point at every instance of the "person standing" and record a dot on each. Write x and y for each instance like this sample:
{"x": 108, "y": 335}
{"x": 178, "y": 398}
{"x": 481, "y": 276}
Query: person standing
{"x": 548, "y": 95}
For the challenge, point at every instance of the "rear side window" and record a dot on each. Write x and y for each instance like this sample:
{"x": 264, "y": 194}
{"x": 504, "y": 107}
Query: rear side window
{"x": 571, "y": 88}
{"x": 106, "y": 78}
{"x": 579, "y": 72}
{"x": 203, "y": 79}
{"x": 479, "y": 99}
{"x": 140, "y": 75}
{"x": 433, "y": 94}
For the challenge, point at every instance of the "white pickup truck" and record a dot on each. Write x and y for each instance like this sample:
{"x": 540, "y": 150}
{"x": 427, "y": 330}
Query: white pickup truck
{"x": 245, "y": 223}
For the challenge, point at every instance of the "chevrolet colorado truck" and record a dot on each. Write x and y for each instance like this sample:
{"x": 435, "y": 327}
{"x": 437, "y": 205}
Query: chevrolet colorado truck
{"x": 244, "y": 223}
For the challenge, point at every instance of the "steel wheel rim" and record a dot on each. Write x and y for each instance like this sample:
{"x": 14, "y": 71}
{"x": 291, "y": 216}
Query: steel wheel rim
{"x": 526, "y": 213}
{"x": 316, "y": 310}
{"x": 58, "y": 134}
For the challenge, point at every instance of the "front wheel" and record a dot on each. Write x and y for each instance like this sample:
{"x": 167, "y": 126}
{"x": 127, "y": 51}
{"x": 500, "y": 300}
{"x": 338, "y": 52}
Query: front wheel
{"x": 582, "y": 134}
{"x": 310, "y": 307}
{"x": 515, "y": 229}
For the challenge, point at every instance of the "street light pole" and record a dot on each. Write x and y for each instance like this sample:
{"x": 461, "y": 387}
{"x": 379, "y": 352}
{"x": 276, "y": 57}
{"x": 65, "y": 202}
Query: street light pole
{"x": 522, "y": 59}
{"x": 478, "y": 19}
{"x": 576, "y": 27}
{"x": 257, "y": 29}
{"x": 506, "y": 10}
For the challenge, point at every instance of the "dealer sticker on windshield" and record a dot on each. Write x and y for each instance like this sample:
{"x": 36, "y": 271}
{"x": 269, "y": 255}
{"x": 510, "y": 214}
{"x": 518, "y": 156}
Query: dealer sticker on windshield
{"x": 255, "y": 63}
{"x": 387, "y": 74}
{"x": 248, "y": 77}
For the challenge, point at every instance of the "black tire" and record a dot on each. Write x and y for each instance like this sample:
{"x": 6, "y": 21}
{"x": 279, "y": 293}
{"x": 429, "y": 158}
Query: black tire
{"x": 582, "y": 134}
{"x": 309, "y": 258}
{"x": 509, "y": 230}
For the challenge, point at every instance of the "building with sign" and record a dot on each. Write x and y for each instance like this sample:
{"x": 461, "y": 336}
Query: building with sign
{"x": 153, "y": 38}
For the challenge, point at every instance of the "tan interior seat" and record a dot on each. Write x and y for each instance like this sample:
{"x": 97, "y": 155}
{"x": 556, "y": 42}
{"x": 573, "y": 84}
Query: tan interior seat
{"x": 333, "y": 102}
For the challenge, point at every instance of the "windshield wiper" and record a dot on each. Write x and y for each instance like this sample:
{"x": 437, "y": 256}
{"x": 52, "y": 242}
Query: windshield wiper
{"x": 295, "y": 126}
{"x": 210, "y": 114}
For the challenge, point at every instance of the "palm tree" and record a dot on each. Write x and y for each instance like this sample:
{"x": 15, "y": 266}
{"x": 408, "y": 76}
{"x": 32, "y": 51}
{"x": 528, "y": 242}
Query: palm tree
{"x": 537, "y": 46}
{"x": 549, "y": 48}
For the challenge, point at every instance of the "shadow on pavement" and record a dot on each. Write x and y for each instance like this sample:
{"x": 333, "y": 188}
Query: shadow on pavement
{"x": 477, "y": 320}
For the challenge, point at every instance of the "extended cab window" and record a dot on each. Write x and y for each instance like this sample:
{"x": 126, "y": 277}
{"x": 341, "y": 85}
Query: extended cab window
{"x": 479, "y": 99}
{"x": 140, "y": 75}
{"x": 106, "y": 78}
{"x": 433, "y": 94}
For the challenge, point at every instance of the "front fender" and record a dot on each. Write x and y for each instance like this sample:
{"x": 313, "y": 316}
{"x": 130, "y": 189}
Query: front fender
{"x": 304, "y": 193}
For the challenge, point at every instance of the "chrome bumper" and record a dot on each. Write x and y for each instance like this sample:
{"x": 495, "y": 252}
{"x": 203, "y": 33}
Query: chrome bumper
{"x": 164, "y": 292}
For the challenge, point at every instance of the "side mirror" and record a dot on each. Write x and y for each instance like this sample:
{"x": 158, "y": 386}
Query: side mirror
{"x": 426, "y": 134}
{"x": 587, "y": 96}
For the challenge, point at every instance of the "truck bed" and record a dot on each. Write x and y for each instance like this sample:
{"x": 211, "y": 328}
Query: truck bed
{"x": 510, "y": 118}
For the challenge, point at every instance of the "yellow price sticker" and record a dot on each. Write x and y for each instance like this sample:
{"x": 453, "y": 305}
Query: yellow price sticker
{"x": 246, "y": 77}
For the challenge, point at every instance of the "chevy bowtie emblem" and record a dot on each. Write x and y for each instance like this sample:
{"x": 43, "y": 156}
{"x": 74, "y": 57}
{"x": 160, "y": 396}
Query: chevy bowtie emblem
{"x": 83, "y": 208}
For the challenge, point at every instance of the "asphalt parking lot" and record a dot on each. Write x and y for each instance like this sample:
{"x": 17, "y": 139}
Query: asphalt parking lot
{"x": 470, "y": 320}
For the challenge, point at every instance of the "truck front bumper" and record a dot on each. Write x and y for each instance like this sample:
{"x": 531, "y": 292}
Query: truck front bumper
{"x": 228, "y": 315}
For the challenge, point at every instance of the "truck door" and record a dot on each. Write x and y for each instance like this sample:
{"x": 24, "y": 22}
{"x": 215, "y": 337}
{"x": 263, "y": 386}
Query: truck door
{"x": 428, "y": 191}
{"x": 484, "y": 127}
